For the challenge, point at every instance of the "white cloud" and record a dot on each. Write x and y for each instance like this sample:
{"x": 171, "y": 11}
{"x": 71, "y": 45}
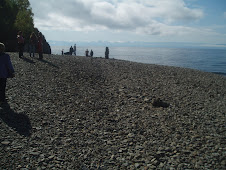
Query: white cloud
{"x": 141, "y": 16}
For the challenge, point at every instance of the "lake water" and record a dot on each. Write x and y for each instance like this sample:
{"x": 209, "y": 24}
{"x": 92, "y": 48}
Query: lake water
{"x": 208, "y": 60}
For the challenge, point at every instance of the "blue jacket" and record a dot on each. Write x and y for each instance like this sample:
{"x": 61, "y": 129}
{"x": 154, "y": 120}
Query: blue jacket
{"x": 6, "y": 67}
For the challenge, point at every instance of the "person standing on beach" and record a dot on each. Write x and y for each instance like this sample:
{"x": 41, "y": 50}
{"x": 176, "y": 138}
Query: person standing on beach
{"x": 33, "y": 40}
{"x": 40, "y": 45}
{"x": 107, "y": 53}
{"x": 91, "y": 53}
{"x": 87, "y": 52}
{"x": 20, "y": 41}
{"x": 75, "y": 49}
{"x": 71, "y": 50}
{"x": 6, "y": 71}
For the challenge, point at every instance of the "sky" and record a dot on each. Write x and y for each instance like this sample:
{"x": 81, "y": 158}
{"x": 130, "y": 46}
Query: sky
{"x": 190, "y": 21}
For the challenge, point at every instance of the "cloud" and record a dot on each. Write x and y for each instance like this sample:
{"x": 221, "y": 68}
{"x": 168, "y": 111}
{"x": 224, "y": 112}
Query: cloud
{"x": 153, "y": 17}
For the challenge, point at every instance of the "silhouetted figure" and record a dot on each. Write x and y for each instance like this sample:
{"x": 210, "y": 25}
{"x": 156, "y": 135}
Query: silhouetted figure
{"x": 6, "y": 71}
{"x": 91, "y": 53}
{"x": 20, "y": 41}
{"x": 40, "y": 45}
{"x": 87, "y": 52}
{"x": 32, "y": 43}
{"x": 107, "y": 53}
{"x": 71, "y": 50}
{"x": 75, "y": 49}
{"x": 62, "y": 52}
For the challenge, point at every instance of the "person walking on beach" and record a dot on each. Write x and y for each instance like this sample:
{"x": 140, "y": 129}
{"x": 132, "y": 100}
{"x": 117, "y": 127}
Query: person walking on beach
{"x": 20, "y": 41}
{"x": 75, "y": 49}
{"x": 71, "y": 50}
{"x": 107, "y": 53}
{"x": 91, "y": 53}
{"x": 33, "y": 40}
{"x": 6, "y": 71}
{"x": 40, "y": 45}
{"x": 87, "y": 52}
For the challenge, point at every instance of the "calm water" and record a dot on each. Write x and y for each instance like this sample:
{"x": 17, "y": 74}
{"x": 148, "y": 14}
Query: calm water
{"x": 209, "y": 60}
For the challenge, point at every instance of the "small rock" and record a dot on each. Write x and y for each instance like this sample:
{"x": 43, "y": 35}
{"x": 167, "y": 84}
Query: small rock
{"x": 138, "y": 147}
{"x": 51, "y": 157}
{"x": 147, "y": 100}
{"x": 5, "y": 142}
{"x": 109, "y": 143}
{"x": 137, "y": 165}
{"x": 130, "y": 135}
{"x": 35, "y": 153}
{"x": 112, "y": 157}
{"x": 160, "y": 154}
{"x": 150, "y": 166}
{"x": 223, "y": 163}
{"x": 125, "y": 164}
{"x": 161, "y": 165}
{"x": 159, "y": 103}
{"x": 125, "y": 141}
{"x": 216, "y": 154}
{"x": 180, "y": 166}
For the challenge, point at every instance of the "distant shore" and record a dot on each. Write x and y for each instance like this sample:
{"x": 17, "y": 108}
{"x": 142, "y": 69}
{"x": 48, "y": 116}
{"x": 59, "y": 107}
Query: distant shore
{"x": 86, "y": 113}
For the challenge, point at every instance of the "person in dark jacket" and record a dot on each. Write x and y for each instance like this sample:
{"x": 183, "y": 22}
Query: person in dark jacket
{"x": 71, "y": 50}
{"x": 33, "y": 41}
{"x": 75, "y": 49}
{"x": 87, "y": 53}
{"x": 91, "y": 53}
{"x": 6, "y": 71}
{"x": 20, "y": 41}
{"x": 107, "y": 53}
{"x": 40, "y": 45}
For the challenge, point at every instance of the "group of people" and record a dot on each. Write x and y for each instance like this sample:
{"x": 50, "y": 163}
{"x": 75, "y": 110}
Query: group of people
{"x": 71, "y": 50}
{"x": 34, "y": 42}
{"x": 6, "y": 67}
{"x": 91, "y": 53}
{"x": 87, "y": 53}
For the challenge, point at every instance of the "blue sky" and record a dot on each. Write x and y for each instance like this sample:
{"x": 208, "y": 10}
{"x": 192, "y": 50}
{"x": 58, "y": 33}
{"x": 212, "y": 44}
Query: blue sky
{"x": 188, "y": 21}
{"x": 213, "y": 11}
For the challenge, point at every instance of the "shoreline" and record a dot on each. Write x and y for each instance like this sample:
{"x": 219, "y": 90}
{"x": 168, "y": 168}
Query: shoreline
{"x": 81, "y": 112}
{"x": 207, "y": 60}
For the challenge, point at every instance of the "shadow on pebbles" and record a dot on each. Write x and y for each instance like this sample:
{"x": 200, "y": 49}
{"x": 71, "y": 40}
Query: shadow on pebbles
{"x": 71, "y": 112}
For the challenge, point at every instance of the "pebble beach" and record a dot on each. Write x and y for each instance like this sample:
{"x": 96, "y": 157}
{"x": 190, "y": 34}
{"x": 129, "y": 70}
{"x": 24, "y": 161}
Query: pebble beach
{"x": 76, "y": 112}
